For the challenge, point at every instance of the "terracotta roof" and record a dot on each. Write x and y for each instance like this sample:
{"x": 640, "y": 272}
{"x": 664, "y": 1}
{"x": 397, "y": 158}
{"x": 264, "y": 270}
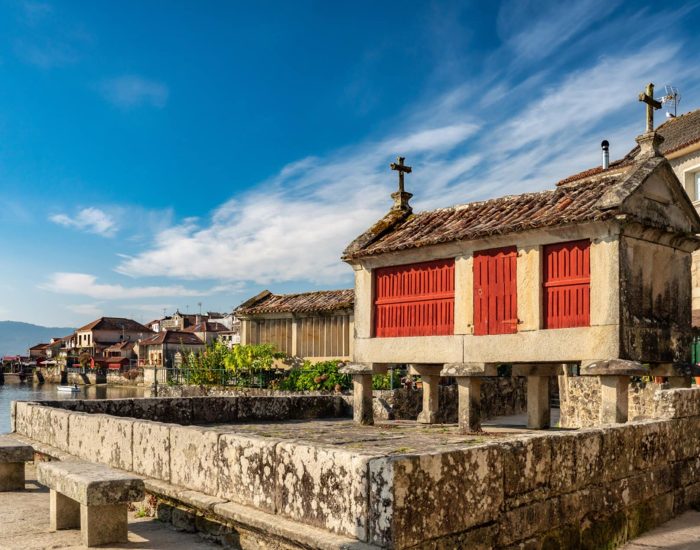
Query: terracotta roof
{"x": 678, "y": 132}
{"x": 171, "y": 337}
{"x": 586, "y": 200}
{"x": 206, "y": 326}
{"x": 126, "y": 344}
{"x": 115, "y": 323}
{"x": 322, "y": 300}
{"x": 40, "y": 346}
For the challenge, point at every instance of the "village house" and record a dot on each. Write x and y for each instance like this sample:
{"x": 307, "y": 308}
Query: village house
{"x": 160, "y": 349}
{"x": 595, "y": 272}
{"x": 97, "y": 336}
{"x": 207, "y": 331}
{"x": 312, "y": 325}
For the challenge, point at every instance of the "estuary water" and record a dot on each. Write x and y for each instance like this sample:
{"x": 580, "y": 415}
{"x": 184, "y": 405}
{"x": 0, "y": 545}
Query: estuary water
{"x": 14, "y": 391}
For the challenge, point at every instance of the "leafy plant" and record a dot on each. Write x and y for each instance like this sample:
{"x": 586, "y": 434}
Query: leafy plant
{"x": 384, "y": 382}
{"x": 316, "y": 376}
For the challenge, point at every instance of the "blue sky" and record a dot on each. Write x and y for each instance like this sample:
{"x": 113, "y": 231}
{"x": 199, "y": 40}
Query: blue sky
{"x": 160, "y": 154}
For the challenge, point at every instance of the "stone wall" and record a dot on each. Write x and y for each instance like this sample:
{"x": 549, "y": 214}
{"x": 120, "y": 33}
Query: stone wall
{"x": 591, "y": 488}
{"x": 580, "y": 400}
{"x": 500, "y": 396}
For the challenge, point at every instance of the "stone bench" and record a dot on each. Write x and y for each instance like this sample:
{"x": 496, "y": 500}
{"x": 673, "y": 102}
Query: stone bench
{"x": 13, "y": 455}
{"x": 92, "y": 497}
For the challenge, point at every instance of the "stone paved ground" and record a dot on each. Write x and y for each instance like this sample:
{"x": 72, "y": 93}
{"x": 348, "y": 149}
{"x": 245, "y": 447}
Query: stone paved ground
{"x": 25, "y": 526}
{"x": 681, "y": 533}
{"x": 385, "y": 437}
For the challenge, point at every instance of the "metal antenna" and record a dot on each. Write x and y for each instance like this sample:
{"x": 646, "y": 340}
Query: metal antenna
{"x": 671, "y": 99}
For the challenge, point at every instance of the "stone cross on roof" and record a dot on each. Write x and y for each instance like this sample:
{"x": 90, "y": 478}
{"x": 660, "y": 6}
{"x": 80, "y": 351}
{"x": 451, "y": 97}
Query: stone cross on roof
{"x": 401, "y": 197}
{"x": 648, "y": 98}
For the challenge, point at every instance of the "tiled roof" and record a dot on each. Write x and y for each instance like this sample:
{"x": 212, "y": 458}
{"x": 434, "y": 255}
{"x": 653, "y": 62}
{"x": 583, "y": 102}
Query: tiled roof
{"x": 206, "y": 326}
{"x": 678, "y": 132}
{"x": 587, "y": 200}
{"x": 115, "y": 323}
{"x": 322, "y": 300}
{"x": 171, "y": 337}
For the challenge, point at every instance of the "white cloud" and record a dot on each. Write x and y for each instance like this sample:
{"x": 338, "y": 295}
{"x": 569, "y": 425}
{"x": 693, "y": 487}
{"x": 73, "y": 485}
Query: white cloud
{"x": 92, "y": 220}
{"x": 294, "y": 226}
{"x": 130, "y": 91}
{"x": 84, "y": 284}
{"x": 87, "y": 310}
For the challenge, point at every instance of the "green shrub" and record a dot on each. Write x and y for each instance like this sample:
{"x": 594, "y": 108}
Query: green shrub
{"x": 383, "y": 381}
{"x": 323, "y": 376}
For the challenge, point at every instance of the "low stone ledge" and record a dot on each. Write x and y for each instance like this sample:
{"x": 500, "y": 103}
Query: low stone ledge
{"x": 614, "y": 367}
{"x": 677, "y": 403}
{"x": 14, "y": 450}
{"x": 458, "y": 370}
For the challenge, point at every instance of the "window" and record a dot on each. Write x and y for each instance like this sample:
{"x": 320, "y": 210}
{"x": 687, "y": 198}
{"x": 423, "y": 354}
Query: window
{"x": 495, "y": 291}
{"x": 567, "y": 277}
{"x": 415, "y": 300}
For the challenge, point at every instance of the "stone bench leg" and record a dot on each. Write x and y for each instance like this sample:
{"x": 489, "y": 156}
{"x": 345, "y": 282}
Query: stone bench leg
{"x": 11, "y": 476}
{"x": 538, "y": 406}
{"x": 614, "y": 394}
{"x": 431, "y": 403}
{"x": 362, "y": 399}
{"x": 103, "y": 524}
{"x": 64, "y": 512}
{"x": 469, "y": 411}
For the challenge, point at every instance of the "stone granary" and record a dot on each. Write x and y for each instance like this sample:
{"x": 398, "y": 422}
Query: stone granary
{"x": 312, "y": 325}
{"x": 595, "y": 272}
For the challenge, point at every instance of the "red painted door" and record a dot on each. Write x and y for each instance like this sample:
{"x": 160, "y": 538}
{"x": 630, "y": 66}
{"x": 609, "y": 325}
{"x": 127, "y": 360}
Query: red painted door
{"x": 567, "y": 280}
{"x": 495, "y": 291}
{"x": 415, "y": 300}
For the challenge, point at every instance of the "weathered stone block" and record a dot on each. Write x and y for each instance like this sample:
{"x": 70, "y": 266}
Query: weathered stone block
{"x": 194, "y": 458}
{"x": 315, "y": 406}
{"x": 23, "y": 418}
{"x": 588, "y": 457}
{"x": 677, "y": 403}
{"x": 527, "y": 465}
{"x": 50, "y": 426}
{"x": 248, "y": 470}
{"x": 651, "y": 444}
{"x": 211, "y": 410}
{"x": 151, "y": 449}
{"x": 526, "y": 521}
{"x": 13, "y": 415}
{"x": 101, "y": 438}
{"x": 413, "y": 497}
{"x": 617, "y": 451}
{"x": 562, "y": 475}
{"x": 12, "y": 451}
{"x": 325, "y": 487}
{"x": 263, "y": 408}
{"x": 119, "y": 407}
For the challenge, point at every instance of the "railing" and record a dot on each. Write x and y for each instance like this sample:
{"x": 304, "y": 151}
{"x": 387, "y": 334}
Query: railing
{"x": 218, "y": 377}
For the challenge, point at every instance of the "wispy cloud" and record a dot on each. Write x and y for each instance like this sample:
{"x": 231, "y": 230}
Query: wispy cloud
{"x": 84, "y": 284}
{"x": 91, "y": 220}
{"x": 129, "y": 91}
{"x": 87, "y": 310}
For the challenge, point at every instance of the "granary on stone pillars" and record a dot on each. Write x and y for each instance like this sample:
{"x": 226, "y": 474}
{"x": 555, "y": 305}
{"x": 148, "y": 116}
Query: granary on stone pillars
{"x": 594, "y": 272}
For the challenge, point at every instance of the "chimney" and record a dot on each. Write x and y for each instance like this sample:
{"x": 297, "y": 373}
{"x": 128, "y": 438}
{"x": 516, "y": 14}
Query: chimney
{"x": 605, "y": 146}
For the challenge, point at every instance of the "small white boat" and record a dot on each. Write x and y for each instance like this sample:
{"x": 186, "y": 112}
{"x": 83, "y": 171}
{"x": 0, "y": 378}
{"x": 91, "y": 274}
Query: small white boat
{"x": 69, "y": 389}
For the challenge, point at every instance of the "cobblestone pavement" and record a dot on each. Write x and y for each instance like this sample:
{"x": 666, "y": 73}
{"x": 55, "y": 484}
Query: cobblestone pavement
{"x": 681, "y": 533}
{"x": 25, "y": 525}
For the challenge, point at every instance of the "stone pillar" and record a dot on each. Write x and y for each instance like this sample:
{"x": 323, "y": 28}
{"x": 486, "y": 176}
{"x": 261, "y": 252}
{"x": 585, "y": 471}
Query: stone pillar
{"x": 468, "y": 376}
{"x": 362, "y": 392}
{"x": 430, "y": 376}
{"x": 538, "y": 410}
{"x": 103, "y": 524}
{"x": 614, "y": 399}
{"x": 64, "y": 512}
{"x": 11, "y": 476}
{"x": 469, "y": 406}
{"x": 538, "y": 398}
{"x": 614, "y": 376}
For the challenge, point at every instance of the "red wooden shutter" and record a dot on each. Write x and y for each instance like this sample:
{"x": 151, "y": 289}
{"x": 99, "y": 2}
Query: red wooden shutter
{"x": 567, "y": 280}
{"x": 495, "y": 291}
{"x": 415, "y": 300}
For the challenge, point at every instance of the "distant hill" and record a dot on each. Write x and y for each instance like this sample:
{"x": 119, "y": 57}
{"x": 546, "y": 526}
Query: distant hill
{"x": 16, "y": 337}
